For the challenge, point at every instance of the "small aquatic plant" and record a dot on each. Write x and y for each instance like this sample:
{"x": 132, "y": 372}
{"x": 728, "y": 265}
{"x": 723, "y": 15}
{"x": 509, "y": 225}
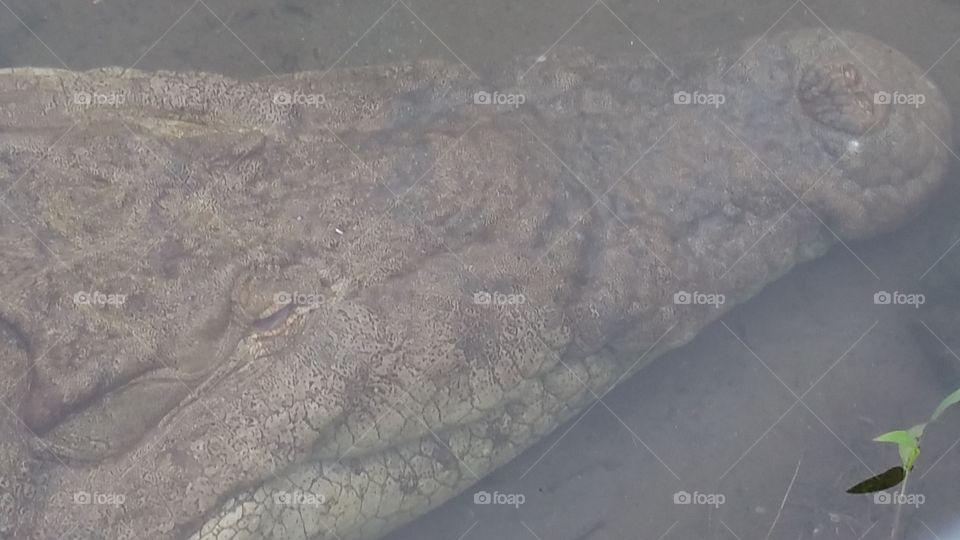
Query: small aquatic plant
{"x": 908, "y": 445}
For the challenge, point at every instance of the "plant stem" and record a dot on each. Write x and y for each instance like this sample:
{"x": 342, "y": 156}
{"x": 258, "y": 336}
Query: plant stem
{"x": 896, "y": 516}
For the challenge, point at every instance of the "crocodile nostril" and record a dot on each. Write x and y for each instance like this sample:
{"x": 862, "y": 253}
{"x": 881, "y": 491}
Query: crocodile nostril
{"x": 836, "y": 96}
{"x": 862, "y": 99}
{"x": 851, "y": 75}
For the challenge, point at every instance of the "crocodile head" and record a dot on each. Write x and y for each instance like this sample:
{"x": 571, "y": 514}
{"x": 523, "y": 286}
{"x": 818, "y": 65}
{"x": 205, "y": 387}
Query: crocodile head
{"x": 864, "y": 105}
{"x": 299, "y": 308}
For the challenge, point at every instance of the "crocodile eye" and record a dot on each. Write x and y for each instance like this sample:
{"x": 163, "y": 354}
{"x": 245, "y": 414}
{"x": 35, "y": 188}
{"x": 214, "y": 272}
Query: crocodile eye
{"x": 850, "y": 74}
{"x": 836, "y": 96}
{"x": 287, "y": 307}
{"x": 275, "y": 319}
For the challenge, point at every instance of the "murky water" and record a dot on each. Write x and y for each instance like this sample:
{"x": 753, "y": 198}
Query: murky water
{"x": 767, "y": 416}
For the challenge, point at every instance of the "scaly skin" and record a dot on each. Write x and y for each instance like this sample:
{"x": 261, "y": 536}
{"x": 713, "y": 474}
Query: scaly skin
{"x": 205, "y": 406}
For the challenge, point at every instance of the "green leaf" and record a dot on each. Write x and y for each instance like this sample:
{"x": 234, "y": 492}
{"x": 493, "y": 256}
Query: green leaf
{"x": 880, "y": 482}
{"x": 899, "y": 437}
{"x": 917, "y": 431}
{"x": 907, "y": 444}
{"x": 952, "y": 399}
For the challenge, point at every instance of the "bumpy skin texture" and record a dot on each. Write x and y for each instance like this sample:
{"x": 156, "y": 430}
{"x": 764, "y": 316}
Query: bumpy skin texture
{"x": 204, "y": 406}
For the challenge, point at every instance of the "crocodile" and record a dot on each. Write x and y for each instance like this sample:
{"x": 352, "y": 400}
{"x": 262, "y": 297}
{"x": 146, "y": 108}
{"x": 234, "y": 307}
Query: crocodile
{"x": 317, "y": 305}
